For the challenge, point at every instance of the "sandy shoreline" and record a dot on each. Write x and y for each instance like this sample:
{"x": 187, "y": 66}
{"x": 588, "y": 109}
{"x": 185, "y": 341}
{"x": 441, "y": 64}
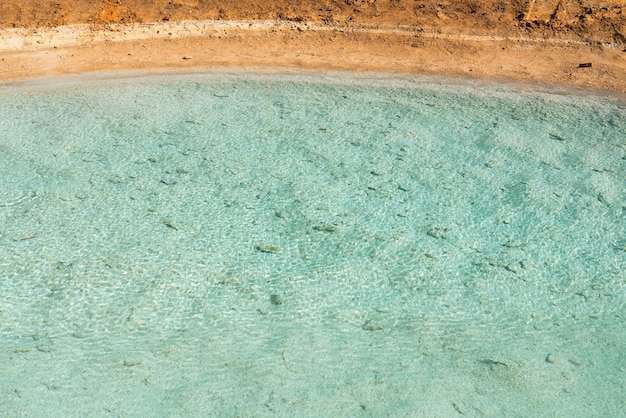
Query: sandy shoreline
{"x": 194, "y": 45}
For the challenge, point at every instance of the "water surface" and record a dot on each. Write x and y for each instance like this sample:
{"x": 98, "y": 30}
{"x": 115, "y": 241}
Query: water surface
{"x": 245, "y": 245}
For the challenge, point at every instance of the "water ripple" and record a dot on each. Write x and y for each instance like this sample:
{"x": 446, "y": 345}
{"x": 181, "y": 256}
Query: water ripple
{"x": 10, "y": 198}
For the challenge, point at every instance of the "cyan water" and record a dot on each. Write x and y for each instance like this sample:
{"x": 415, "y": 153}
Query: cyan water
{"x": 254, "y": 245}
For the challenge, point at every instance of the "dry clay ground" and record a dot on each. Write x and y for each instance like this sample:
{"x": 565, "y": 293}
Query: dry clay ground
{"x": 603, "y": 21}
{"x": 527, "y": 40}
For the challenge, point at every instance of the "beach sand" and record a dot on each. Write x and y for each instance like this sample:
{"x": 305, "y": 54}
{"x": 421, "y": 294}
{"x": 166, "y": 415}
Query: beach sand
{"x": 535, "y": 46}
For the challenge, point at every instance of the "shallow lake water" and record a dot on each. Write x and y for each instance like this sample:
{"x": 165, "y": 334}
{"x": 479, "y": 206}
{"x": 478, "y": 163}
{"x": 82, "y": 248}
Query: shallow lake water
{"x": 310, "y": 245}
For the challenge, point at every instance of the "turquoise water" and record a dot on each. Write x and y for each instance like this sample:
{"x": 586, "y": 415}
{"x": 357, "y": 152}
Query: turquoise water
{"x": 253, "y": 245}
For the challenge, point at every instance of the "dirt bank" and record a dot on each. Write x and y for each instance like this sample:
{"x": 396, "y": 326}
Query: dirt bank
{"x": 600, "y": 21}
{"x": 543, "y": 41}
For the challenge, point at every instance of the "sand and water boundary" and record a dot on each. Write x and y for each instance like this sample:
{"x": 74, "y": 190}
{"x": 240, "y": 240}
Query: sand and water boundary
{"x": 27, "y": 53}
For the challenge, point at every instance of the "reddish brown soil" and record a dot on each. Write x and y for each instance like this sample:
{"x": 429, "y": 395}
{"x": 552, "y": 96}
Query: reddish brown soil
{"x": 600, "y": 21}
{"x": 525, "y": 40}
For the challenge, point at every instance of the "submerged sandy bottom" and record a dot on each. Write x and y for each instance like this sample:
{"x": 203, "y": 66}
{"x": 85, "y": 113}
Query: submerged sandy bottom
{"x": 257, "y": 244}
